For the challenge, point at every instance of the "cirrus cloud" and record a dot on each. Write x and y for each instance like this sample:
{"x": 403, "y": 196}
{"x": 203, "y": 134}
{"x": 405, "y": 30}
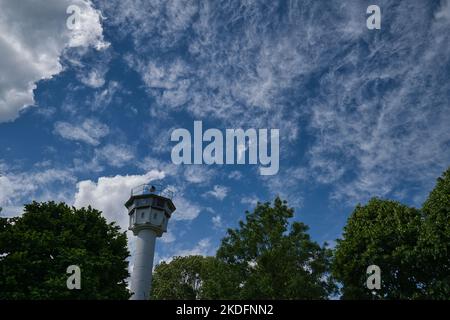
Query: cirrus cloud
{"x": 90, "y": 131}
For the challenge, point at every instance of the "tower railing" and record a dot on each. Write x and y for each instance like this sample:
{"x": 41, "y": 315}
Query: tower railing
{"x": 157, "y": 189}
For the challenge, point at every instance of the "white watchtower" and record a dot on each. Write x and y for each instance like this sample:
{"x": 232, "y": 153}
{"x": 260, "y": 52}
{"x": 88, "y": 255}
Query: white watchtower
{"x": 150, "y": 208}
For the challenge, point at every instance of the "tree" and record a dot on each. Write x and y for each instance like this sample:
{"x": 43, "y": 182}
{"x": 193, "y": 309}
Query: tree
{"x": 434, "y": 242}
{"x": 179, "y": 279}
{"x": 382, "y": 233}
{"x": 267, "y": 257}
{"x": 193, "y": 278}
{"x": 37, "y": 248}
{"x": 411, "y": 247}
{"x": 276, "y": 259}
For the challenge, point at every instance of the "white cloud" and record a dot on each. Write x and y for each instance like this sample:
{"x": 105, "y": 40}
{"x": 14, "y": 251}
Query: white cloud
{"x": 444, "y": 12}
{"x": 198, "y": 174}
{"x": 186, "y": 210}
{"x": 92, "y": 70}
{"x": 104, "y": 97}
{"x": 250, "y": 200}
{"x": 115, "y": 155}
{"x": 218, "y": 192}
{"x": 287, "y": 185}
{"x": 93, "y": 78}
{"x": 109, "y": 194}
{"x": 168, "y": 237}
{"x": 150, "y": 163}
{"x": 33, "y": 36}
{"x": 90, "y": 131}
{"x": 17, "y": 188}
{"x": 235, "y": 175}
{"x": 160, "y": 133}
{"x": 89, "y": 31}
{"x": 203, "y": 248}
{"x": 374, "y": 109}
{"x": 380, "y": 126}
{"x": 217, "y": 222}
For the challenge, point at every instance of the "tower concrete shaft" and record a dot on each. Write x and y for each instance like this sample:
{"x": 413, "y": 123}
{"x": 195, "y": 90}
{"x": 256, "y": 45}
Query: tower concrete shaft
{"x": 141, "y": 280}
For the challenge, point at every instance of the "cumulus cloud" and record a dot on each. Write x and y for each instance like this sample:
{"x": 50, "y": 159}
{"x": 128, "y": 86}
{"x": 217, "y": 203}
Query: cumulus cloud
{"x": 88, "y": 30}
{"x": 109, "y": 194}
{"x": 90, "y": 131}
{"x": 33, "y": 38}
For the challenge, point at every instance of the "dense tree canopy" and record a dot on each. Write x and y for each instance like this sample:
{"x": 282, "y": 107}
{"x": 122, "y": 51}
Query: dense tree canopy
{"x": 410, "y": 246}
{"x": 267, "y": 257}
{"x": 270, "y": 257}
{"x": 179, "y": 279}
{"x": 434, "y": 242}
{"x": 194, "y": 277}
{"x": 275, "y": 257}
{"x": 382, "y": 233}
{"x": 37, "y": 247}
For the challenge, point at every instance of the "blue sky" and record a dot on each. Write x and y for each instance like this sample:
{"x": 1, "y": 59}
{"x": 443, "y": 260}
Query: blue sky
{"x": 86, "y": 115}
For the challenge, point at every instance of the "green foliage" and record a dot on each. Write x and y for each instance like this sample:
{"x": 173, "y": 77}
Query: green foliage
{"x": 221, "y": 279}
{"x": 410, "y": 246}
{"x": 267, "y": 257}
{"x": 434, "y": 242}
{"x": 276, "y": 259}
{"x": 191, "y": 277}
{"x": 37, "y": 247}
{"x": 179, "y": 279}
{"x": 384, "y": 233}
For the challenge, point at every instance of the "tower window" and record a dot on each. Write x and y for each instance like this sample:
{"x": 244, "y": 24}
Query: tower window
{"x": 159, "y": 202}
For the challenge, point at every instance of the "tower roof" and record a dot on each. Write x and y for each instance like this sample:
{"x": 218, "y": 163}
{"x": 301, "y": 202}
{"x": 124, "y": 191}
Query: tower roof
{"x": 146, "y": 191}
{"x": 156, "y": 189}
